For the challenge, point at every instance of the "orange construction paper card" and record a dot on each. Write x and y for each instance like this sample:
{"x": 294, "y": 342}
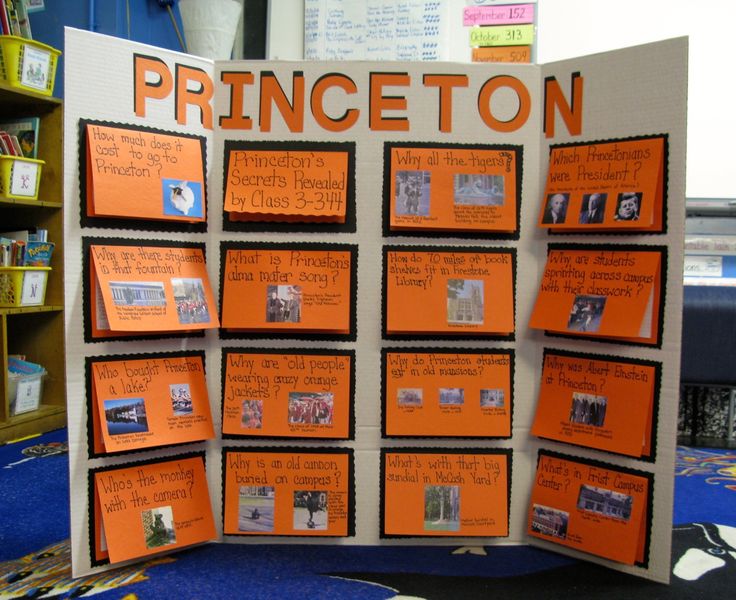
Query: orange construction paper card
{"x": 140, "y": 173}
{"x": 272, "y": 180}
{"x": 436, "y": 393}
{"x": 154, "y": 288}
{"x": 153, "y": 507}
{"x": 451, "y": 187}
{"x": 591, "y": 507}
{"x": 306, "y": 492}
{"x": 455, "y": 291}
{"x": 437, "y": 492}
{"x": 289, "y": 288}
{"x": 599, "y": 402}
{"x": 148, "y": 401}
{"x": 292, "y": 394}
{"x": 606, "y": 186}
{"x": 601, "y": 291}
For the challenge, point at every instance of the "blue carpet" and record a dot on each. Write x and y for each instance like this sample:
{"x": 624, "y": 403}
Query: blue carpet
{"x": 34, "y": 551}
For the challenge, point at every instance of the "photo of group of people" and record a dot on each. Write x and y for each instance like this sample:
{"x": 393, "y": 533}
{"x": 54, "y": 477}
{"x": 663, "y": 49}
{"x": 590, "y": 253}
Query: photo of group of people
{"x": 283, "y": 304}
{"x": 441, "y": 508}
{"x": 586, "y": 313}
{"x": 592, "y": 209}
{"x": 411, "y": 193}
{"x": 191, "y": 303}
{"x": 158, "y": 527}
{"x": 126, "y": 415}
{"x": 311, "y": 408}
{"x": 465, "y": 301}
{"x": 252, "y": 414}
{"x": 255, "y": 508}
{"x": 588, "y": 409}
{"x": 478, "y": 189}
{"x": 181, "y": 399}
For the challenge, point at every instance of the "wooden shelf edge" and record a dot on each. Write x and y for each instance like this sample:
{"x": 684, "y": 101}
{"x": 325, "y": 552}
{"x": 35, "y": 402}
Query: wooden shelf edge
{"x": 32, "y": 203}
{"x": 45, "y": 418}
{"x": 8, "y": 91}
{"x": 19, "y": 310}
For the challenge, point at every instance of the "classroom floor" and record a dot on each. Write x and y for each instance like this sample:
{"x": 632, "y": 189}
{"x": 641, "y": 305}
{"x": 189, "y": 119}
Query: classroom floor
{"x": 35, "y": 552}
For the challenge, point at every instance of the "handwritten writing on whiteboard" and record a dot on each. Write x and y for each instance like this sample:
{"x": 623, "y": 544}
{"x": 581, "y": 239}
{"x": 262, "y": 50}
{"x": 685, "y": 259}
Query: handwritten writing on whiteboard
{"x": 373, "y": 30}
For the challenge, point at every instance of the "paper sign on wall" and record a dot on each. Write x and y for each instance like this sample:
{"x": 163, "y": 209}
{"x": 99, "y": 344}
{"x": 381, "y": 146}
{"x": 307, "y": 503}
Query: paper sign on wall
{"x": 592, "y": 507}
{"x": 600, "y": 402}
{"x": 289, "y": 289}
{"x": 451, "y": 188}
{"x": 147, "y": 508}
{"x": 445, "y": 493}
{"x": 435, "y": 393}
{"x": 291, "y": 491}
{"x": 290, "y": 394}
{"x": 144, "y": 401}
{"x": 610, "y": 292}
{"x": 154, "y": 288}
{"x": 460, "y": 292}
{"x": 141, "y": 173}
{"x": 289, "y": 181}
{"x": 609, "y": 185}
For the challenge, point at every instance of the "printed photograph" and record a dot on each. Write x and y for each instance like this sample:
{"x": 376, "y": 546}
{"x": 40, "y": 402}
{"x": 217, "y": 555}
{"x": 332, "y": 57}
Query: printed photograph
{"x": 492, "y": 398}
{"x": 255, "y": 508}
{"x": 181, "y": 399}
{"x": 182, "y": 198}
{"x": 465, "y": 301}
{"x": 592, "y": 209}
{"x": 138, "y": 293}
{"x": 251, "y": 415}
{"x": 409, "y": 396}
{"x": 555, "y": 209}
{"x": 283, "y": 304}
{"x": 588, "y": 409}
{"x": 310, "y": 510}
{"x": 478, "y": 190}
{"x": 605, "y": 502}
{"x": 411, "y": 193}
{"x": 586, "y": 313}
{"x": 158, "y": 527}
{"x": 452, "y": 396}
{"x": 550, "y": 521}
{"x": 628, "y": 206}
{"x": 441, "y": 507}
{"x": 191, "y": 303}
{"x": 311, "y": 408}
{"x": 125, "y": 416}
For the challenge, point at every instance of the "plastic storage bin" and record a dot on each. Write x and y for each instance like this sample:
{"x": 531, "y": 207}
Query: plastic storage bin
{"x": 28, "y": 64}
{"x": 23, "y": 286}
{"x": 20, "y": 177}
{"x": 24, "y": 392}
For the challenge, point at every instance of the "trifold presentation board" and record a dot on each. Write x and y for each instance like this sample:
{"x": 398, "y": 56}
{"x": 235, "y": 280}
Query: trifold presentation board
{"x": 373, "y": 303}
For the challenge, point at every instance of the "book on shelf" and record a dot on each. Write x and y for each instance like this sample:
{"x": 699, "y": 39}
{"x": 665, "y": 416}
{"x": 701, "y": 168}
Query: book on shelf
{"x": 26, "y": 132}
{"x": 23, "y": 20}
{"x": 26, "y": 248}
{"x": 14, "y": 18}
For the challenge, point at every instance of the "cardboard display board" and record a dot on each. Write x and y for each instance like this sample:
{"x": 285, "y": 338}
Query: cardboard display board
{"x": 367, "y": 270}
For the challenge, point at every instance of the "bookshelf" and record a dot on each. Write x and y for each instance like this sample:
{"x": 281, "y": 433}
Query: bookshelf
{"x": 37, "y": 331}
